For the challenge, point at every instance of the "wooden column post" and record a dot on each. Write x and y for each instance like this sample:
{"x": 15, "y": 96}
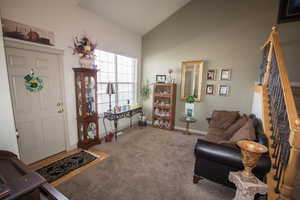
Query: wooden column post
{"x": 290, "y": 173}
{"x": 268, "y": 67}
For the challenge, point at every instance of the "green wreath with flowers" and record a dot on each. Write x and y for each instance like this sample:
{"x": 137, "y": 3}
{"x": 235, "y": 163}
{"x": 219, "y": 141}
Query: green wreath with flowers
{"x": 33, "y": 83}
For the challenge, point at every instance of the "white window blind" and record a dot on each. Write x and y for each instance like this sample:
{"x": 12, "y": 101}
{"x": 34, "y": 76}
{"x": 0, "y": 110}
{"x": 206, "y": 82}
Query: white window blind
{"x": 121, "y": 71}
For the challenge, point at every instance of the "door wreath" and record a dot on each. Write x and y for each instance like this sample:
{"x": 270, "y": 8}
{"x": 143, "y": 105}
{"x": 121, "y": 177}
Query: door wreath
{"x": 33, "y": 83}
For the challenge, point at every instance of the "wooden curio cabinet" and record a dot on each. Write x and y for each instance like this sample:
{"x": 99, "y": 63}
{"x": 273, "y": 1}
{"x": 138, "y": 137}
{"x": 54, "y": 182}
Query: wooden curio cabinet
{"x": 86, "y": 107}
{"x": 164, "y": 105}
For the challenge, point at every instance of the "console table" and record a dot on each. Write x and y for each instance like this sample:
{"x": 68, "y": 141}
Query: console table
{"x": 115, "y": 116}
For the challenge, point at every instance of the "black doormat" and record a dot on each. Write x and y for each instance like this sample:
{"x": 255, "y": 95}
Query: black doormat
{"x": 60, "y": 168}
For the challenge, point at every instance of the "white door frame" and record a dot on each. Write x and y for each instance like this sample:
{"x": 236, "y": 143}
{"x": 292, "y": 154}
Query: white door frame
{"x": 8, "y": 137}
{"x": 24, "y": 45}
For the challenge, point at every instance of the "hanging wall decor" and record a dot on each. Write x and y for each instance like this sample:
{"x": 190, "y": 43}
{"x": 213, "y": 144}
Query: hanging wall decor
{"x": 26, "y": 32}
{"x": 289, "y": 11}
{"x": 33, "y": 83}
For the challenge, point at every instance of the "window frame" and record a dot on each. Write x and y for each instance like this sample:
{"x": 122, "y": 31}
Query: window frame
{"x": 116, "y": 82}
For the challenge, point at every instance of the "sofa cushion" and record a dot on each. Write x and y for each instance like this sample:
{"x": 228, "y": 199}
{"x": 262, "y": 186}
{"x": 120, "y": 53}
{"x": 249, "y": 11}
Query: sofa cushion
{"x": 247, "y": 132}
{"x": 214, "y": 138}
{"x": 228, "y": 133}
{"x": 223, "y": 119}
{"x": 215, "y": 131}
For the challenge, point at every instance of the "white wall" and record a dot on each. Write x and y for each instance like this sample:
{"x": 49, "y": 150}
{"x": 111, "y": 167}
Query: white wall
{"x": 8, "y": 139}
{"x": 257, "y": 108}
{"x": 67, "y": 19}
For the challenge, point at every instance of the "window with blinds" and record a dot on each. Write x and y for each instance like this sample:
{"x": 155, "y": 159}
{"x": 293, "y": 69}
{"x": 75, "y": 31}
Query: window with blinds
{"x": 120, "y": 70}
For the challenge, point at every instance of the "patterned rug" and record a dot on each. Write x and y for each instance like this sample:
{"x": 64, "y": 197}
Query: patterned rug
{"x": 62, "y": 167}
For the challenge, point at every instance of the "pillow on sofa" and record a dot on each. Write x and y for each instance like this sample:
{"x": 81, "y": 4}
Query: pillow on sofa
{"x": 223, "y": 119}
{"x": 228, "y": 133}
{"x": 247, "y": 132}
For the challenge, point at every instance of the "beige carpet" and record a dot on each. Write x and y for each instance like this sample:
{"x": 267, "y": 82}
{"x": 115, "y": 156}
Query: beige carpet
{"x": 145, "y": 164}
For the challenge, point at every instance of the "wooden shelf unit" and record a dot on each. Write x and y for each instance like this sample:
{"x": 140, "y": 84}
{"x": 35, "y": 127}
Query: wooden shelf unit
{"x": 164, "y": 101}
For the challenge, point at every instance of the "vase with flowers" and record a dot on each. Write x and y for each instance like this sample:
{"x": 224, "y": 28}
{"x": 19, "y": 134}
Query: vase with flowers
{"x": 189, "y": 106}
{"x": 85, "y": 48}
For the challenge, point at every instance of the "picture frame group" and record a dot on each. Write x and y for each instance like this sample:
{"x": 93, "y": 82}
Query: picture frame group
{"x": 221, "y": 90}
{"x": 225, "y": 74}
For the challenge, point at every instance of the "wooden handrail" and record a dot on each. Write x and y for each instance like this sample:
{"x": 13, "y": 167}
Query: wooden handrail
{"x": 285, "y": 82}
{"x": 287, "y": 182}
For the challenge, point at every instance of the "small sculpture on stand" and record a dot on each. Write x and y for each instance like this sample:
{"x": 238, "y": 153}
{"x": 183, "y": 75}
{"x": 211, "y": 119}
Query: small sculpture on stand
{"x": 171, "y": 78}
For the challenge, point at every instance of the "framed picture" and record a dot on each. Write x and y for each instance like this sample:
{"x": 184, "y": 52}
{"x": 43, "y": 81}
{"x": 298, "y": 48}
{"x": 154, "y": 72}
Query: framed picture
{"x": 225, "y": 74}
{"x": 224, "y": 90}
{"x": 211, "y": 74}
{"x": 210, "y": 89}
{"x": 26, "y": 32}
{"x": 161, "y": 78}
{"x": 289, "y": 11}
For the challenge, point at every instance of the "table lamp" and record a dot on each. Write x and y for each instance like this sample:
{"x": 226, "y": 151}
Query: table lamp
{"x": 110, "y": 90}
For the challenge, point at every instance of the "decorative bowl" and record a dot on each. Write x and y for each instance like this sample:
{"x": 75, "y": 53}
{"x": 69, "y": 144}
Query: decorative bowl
{"x": 251, "y": 153}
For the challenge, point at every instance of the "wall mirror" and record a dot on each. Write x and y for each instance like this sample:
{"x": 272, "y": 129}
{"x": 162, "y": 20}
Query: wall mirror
{"x": 191, "y": 79}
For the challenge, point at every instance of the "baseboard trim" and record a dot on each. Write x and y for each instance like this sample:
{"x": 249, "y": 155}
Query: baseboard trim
{"x": 72, "y": 147}
{"x": 179, "y": 128}
{"x": 191, "y": 130}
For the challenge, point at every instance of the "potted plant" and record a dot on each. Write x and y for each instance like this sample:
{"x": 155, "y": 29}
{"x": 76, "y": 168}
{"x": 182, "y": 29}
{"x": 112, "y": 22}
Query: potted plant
{"x": 85, "y": 48}
{"x": 145, "y": 94}
{"x": 145, "y": 91}
{"x": 189, "y": 106}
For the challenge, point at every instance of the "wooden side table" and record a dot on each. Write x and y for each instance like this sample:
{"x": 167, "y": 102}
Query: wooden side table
{"x": 188, "y": 121}
{"x": 246, "y": 189}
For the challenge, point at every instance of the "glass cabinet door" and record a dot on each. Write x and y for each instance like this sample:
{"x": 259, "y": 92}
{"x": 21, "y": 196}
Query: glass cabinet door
{"x": 91, "y": 130}
{"x": 79, "y": 96}
{"x": 86, "y": 102}
{"x": 81, "y": 132}
{"x": 90, "y": 95}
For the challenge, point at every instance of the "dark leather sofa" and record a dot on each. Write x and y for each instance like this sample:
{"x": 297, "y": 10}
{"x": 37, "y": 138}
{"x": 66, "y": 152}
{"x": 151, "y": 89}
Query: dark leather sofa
{"x": 214, "y": 161}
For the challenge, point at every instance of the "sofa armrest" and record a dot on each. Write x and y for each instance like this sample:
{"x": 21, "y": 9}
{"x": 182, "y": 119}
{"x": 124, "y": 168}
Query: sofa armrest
{"x": 227, "y": 155}
{"x": 218, "y": 153}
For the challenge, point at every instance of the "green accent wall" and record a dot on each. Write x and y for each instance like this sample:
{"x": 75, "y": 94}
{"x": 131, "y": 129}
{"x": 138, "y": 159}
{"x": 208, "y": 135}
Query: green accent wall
{"x": 223, "y": 34}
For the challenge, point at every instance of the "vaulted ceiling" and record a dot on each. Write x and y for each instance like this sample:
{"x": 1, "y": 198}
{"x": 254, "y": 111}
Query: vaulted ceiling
{"x": 139, "y": 16}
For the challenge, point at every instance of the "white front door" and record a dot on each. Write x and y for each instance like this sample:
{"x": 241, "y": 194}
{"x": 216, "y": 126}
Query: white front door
{"x": 38, "y": 115}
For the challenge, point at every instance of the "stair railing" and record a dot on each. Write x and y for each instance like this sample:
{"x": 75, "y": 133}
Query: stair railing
{"x": 281, "y": 122}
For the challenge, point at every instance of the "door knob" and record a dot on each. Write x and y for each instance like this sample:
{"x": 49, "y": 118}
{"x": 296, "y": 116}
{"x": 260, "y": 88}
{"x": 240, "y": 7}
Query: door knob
{"x": 60, "y": 108}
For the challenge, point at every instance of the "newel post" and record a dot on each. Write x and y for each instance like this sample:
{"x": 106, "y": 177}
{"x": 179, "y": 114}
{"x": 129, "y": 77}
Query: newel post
{"x": 287, "y": 186}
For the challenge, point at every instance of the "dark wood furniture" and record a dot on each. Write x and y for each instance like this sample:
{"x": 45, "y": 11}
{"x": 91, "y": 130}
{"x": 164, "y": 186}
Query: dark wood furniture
{"x": 164, "y": 105}
{"x": 86, "y": 107}
{"x": 115, "y": 116}
{"x": 22, "y": 183}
